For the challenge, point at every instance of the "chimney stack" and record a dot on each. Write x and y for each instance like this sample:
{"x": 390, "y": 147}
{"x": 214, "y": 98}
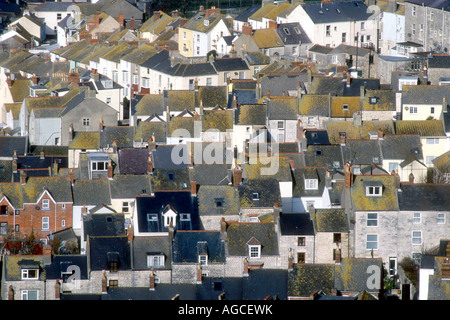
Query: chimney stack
{"x": 57, "y": 290}
{"x": 193, "y": 188}
{"x": 245, "y": 271}
{"x": 121, "y": 20}
{"x": 348, "y": 175}
{"x": 199, "y": 274}
{"x": 247, "y": 29}
{"x": 380, "y": 134}
{"x": 152, "y": 280}
{"x": 157, "y": 14}
{"x": 348, "y": 79}
{"x": 104, "y": 283}
{"x": 290, "y": 262}
{"x": 11, "y": 293}
{"x": 42, "y": 155}
{"x": 342, "y": 139}
{"x": 237, "y": 176}
{"x": 110, "y": 171}
{"x": 411, "y": 178}
{"x": 149, "y": 165}
{"x": 23, "y": 177}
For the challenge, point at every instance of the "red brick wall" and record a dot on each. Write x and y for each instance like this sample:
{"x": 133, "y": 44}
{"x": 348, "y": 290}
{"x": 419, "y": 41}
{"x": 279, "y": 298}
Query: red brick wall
{"x": 30, "y": 218}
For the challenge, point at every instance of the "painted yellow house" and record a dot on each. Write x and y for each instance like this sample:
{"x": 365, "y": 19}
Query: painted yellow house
{"x": 424, "y": 102}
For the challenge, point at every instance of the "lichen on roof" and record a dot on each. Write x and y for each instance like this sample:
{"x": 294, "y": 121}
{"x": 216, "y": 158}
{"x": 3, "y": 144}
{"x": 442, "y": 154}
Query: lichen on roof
{"x": 388, "y": 200}
{"x": 85, "y": 140}
{"x": 221, "y": 120}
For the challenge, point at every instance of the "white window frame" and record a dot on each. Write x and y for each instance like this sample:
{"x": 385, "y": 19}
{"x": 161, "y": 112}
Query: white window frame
{"x": 373, "y": 191}
{"x": 94, "y": 165}
{"x": 45, "y": 204}
{"x": 413, "y": 110}
{"x": 311, "y": 184}
{"x": 155, "y": 260}
{"x": 254, "y": 251}
{"x": 203, "y": 259}
{"x": 45, "y": 223}
{"x": 372, "y": 219}
{"x": 440, "y": 220}
{"x": 25, "y": 293}
{"x": 416, "y": 237}
{"x": 86, "y": 122}
{"x": 371, "y": 241}
{"x": 417, "y": 218}
{"x": 25, "y": 274}
{"x": 432, "y": 140}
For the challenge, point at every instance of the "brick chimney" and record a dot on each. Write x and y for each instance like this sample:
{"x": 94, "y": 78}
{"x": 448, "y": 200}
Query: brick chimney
{"x": 74, "y": 77}
{"x": 342, "y": 139}
{"x": 411, "y": 178}
{"x": 213, "y": 9}
{"x": 273, "y": 24}
{"x": 130, "y": 233}
{"x": 149, "y": 165}
{"x": 84, "y": 210}
{"x": 57, "y": 290}
{"x": 97, "y": 19}
{"x": 121, "y": 20}
{"x": 110, "y": 171}
{"x": 193, "y": 188}
{"x": 157, "y": 14}
{"x": 23, "y": 177}
{"x": 380, "y": 134}
{"x": 132, "y": 24}
{"x": 34, "y": 80}
{"x": 245, "y": 271}
{"x": 290, "y": 262}
{"x": 348, "y": 79}
{"x": 10, "y": 293}
{"x": 348, "y": 176}
{"x": 247, "y": 29}
{"x": 174, "y": 14}
{"x": 9, "y": 81}
{"x": 199, "y": 274}
{"x": 104, "y": 283}
{"x": 152, "y": 280}
{"x": 237, "y": 176}
{"x": 41, "y": 154}
{"x": 223, "y": 228}
{"x": 291, "y": 163}
{"x": 100, "y": 124}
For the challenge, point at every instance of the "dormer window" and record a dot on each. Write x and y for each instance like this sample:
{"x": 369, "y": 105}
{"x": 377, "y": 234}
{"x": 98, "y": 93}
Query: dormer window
{"x": 169, "y": 217}
{"x": 30, "y": 274}
{"x": 254, "y": 248}
{"x": 311, "y": 184}
{"x": 373, "y": 191}
{"x": 29, "y": 270}
{"x": 255, "y": 196}
{"x": 345, "y": 107}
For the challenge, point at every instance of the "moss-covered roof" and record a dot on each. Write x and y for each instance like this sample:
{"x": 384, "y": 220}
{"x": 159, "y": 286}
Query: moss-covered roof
{"x": 313, "y": 105}
{"x": 330, "y": 220}
{"x": 344, "y": 107}
{"x": 209, "y": 195}
{"x": 387, "y": 201}
{"x": 424, "y": 128}
{"x": 221, "y": 120}
{"x": 353, "y": 131}
{"x": 85, "y": 140}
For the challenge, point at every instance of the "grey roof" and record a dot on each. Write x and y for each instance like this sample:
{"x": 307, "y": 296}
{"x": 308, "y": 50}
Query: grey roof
{"x": 267, "y": 189}
{"x": 123, "y": 136}
{"x": 187, "y": 246}
{"x": 425, "y": 94}
{"x": 212, "y": 174}
{"x": 317, "y": 48}
{"x": 230, "y": 64}
{"x": 53, "y": 7}
{"x": 244, "y": 15}
{"x": 104, "y": 224}
{"x": 292, "y": 34}
{"x": 362, "y": 152}
{"x": 296, "y": 224}
{"x": 163, "y": 291}
{"x": 209, "y": 196}
{"x": 279, "y": 83}
{"x": 143, "y": 246}
{"x": 300, "y": 174}
{"x": 129, "y": 185}
{"x": 133, "y": 161}
{"x": 424, "y": 197}
{"x": 167, "y": 156}
{"x": 91, "y": 192}
{"x": 239, "y": 234}
{"x": 10, "y": 144}
{"x": 337, "y": 11}
{"x": 323, "y": 156}
{"x": 103, "y": 250}
{"x": 439, "y": 61}
{"x": 60, "y": 264}
{"x": 397, "y": 146}
{"x": 437, "y": 4}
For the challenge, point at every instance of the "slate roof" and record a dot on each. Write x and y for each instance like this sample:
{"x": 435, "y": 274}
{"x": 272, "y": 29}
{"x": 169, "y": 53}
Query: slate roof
{"x": 300, "y": 174}
{"x": 63, "y": 263}
{"x": 91, "y": 192}
{"x": 268, "y": 190}
{"x": 104, "y": 249}
{"x": 163, "y": 292}
{"x": 437, "y": 4}
{"x": 240, "y": 233}
{"x": 209, "y": 195}
{"x": 294, "y": 34}
{"x": 129, "y": 186}
{"x": 162, "y": 157}
{"x": 143, "y": 246}
{"x": 348, "y": 276}
{"x": 318, "y": 136}
{"x": 353, "y": 131}
{"x": 424, "y": 128}
{"x": 180, "y": 202}
{"x": 279, "y": 108}
{"x": 388, "y": 201}
{"x": 337, "y": 11}
{"x": 362, "y": 152}
{"x": 323, "y": 156}
{"x": 10, "y": 144}
{"x": 425, "y": 94}
{"x": 211, "y": 174}
{"x": 12, "y": 265}
{"x": 188, "y": 245}
{"x": 196, "y": 23}
{"x": 230, "y": 64}
{"x": 314, "y": 105}
{"x": 104, "y": 224}
{"x": 398, "y": 146}
{"x": 330, "y": 220}
{"x": 424, "y": 197}
{"x": 219, "y": 119}
{"x": 244, "y": 15}
{"x": 122, "y": 136}
{"x": 212, "y": 96}
{"x": 296, "y": 224}
{"x": 247, "y": 114}
{"x": 439, "y": 60}
{"x": 133, "y": 161}
{"x": 147, "y": 104}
